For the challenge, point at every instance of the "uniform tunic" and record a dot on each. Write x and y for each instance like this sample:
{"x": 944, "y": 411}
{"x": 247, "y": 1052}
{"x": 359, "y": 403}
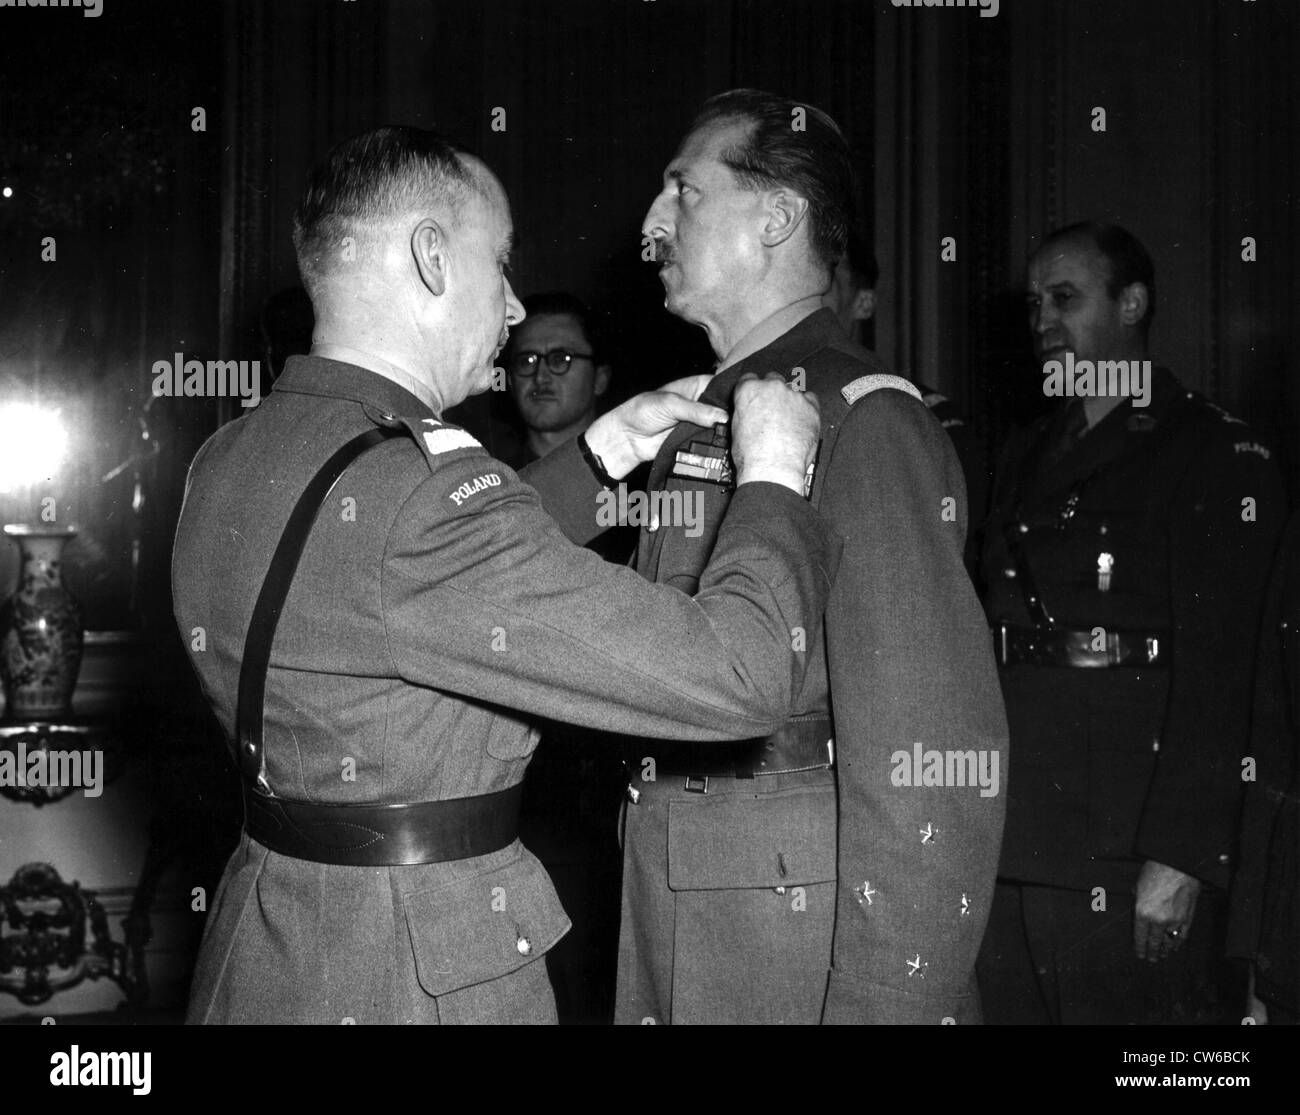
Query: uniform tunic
{"x": 435, "y": 606}
{"x": 1159, "y": 522}
{"x": 842, "y": 896}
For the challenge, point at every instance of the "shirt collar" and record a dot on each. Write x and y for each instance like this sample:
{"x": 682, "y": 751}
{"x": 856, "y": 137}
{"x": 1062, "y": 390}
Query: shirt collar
{"x": 770, "y": 328}
{"x": 377, "y": 364}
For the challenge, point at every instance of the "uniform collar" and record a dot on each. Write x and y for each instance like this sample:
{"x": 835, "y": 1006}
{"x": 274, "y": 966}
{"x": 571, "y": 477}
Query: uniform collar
{"x": 339, "y": 379}
{"x": 770, "y": 328}
{"x": 804, "y": 335}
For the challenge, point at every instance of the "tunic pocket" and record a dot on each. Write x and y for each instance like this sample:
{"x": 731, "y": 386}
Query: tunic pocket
{"x": 486, "y": 926}
{"x": 735, "y": 841}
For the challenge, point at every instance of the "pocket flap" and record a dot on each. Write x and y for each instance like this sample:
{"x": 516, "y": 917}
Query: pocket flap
{"x": 780, "y": 839}
{"x": 476, "y": 929}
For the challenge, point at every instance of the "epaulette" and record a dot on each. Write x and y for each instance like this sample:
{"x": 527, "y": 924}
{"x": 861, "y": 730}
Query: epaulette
{"x": 865, "y": 385}
{"x": 1224, "y": 416}
{"x": 440, "y": 442}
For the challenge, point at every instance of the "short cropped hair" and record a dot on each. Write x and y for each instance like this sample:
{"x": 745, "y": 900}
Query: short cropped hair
{"x": 562, "y": 302}
{"x": 375, "y": 176}
{"x": 1127, "y": 260}
{"x": 814, "y": 161}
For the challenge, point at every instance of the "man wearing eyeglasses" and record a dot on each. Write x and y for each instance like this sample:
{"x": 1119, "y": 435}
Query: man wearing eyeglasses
{"x": 555, "y": 372}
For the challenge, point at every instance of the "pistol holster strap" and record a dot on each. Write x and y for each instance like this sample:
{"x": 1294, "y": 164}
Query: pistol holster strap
{"x": 362, "y": 835}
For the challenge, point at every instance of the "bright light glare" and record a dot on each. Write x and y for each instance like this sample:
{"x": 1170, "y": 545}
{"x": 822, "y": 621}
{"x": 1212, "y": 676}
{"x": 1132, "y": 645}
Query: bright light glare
{"x": 33, "y": 443}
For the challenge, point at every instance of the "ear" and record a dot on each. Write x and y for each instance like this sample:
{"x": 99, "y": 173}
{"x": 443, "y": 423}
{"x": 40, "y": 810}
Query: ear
{"x": 785, "y": 213}
{"x": 429, "y": 250}
{"x": 864, "y": 305}
{"x": 600, "y": 381}
{"x": 1133, "y": 302}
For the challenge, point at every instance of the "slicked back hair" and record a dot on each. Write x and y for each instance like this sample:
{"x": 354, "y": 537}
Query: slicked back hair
{"x": 562, "y": 302}
{"x": 1126, "y": 259}
{"x": 812, "y": 159}
{"x": 374, "y": 177}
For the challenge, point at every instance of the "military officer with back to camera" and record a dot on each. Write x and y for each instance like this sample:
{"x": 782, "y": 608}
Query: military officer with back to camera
{"x": 743, "y": 901}
{"x": 382, "y": 721}
{"x": 1125, "y": 559}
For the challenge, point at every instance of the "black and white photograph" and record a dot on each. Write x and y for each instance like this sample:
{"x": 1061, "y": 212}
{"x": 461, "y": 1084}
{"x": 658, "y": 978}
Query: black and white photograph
{"x": 603, "y": 513}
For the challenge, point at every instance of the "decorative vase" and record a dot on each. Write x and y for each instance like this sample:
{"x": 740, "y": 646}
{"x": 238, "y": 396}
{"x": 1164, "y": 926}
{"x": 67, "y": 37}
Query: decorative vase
{"x": 40, "y": 629}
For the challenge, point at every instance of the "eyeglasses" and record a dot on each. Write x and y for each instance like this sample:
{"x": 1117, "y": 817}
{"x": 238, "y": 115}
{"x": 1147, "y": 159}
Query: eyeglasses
{"x": 558, "y": 360}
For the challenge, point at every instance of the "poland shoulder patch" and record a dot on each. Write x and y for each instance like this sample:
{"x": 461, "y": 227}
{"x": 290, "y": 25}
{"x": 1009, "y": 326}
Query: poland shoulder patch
{"x": 864, "y": 385}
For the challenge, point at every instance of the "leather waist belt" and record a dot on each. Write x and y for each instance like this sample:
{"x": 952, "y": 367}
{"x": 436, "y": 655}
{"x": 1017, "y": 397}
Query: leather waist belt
{"x": 1080, "y": 648}
{"x": 382, "y": 835}
{"x": 801, "y": 744}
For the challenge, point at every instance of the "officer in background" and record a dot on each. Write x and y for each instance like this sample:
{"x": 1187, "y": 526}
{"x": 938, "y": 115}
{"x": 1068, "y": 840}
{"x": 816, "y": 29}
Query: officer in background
{"x": 852, "y": 298}
{"x": 1125, "y": 559}
{"x": 376, "y": 626}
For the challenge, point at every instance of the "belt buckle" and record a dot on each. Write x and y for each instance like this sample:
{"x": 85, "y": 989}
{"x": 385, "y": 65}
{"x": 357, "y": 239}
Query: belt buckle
{"x": 1114, "y": 652}
{"x": 697, "y": 784}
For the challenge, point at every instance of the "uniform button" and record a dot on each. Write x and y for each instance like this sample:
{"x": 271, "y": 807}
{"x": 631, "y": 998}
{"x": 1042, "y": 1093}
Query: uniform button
{"x": 1223, "y": 858}
{"x": 524, "y": 945}
{"x": 1009, "y": 572}
{"x": 1155, "y": 745}
{"x": 1023, "y": 528}
{"x": 780, "y": 890}
{"x": 633, "y": 794}
{"x": 1103, "y": 529}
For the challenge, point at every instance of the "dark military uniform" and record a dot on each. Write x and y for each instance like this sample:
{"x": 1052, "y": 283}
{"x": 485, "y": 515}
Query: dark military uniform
{"x": 1264, "y": 927}
{"x": 743, "y": 899}
{"x": 1124, "y": 571}
{"x": 435, "y": 604}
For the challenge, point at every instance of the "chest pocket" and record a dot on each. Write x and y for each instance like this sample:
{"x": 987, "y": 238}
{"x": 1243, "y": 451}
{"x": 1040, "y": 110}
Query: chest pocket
{"x": 686, "y": 517}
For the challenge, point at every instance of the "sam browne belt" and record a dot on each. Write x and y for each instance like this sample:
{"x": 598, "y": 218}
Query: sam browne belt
{"x": 362, "y": 835}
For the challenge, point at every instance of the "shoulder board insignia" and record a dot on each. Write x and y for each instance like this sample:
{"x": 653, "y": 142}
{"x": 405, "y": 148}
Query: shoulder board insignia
{"x": 933, "y": 399}
{"x": 864, "y": 385}
{"x": 1252, "y": 447}
{"x": 445, "y": 439}
{"x": 1232, "y": 419}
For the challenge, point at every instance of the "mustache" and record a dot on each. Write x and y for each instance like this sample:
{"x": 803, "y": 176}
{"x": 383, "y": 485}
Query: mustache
{"x": 664, "y": 252}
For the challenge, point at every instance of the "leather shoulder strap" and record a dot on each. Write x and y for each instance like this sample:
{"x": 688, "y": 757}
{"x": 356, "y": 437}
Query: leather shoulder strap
{"x": 249, "y": 757}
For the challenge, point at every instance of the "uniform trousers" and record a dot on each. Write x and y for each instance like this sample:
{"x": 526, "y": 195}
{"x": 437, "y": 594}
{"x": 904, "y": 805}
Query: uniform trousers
{"x": 1050, "y": 958}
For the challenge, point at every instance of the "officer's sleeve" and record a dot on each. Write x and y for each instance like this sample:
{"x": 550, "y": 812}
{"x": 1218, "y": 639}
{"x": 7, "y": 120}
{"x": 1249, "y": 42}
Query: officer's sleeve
{"x": 910, "y": 662}
{"x": 484, "y": 597}
{"x": 1224, "y": 525}
{"x": 568, "y": 490}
